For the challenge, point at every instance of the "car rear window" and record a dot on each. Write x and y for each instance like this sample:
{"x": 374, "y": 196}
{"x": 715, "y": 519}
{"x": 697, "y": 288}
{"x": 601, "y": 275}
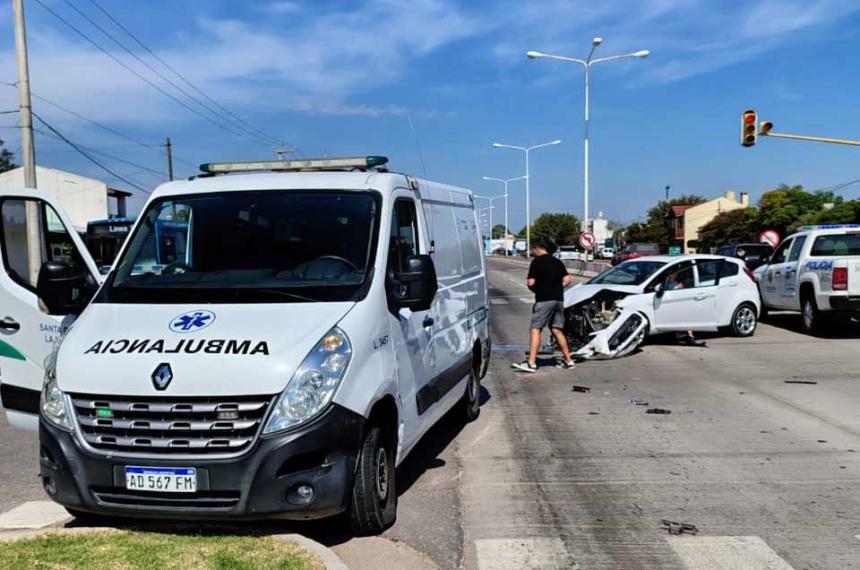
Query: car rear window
{"x": 837, "y": 244}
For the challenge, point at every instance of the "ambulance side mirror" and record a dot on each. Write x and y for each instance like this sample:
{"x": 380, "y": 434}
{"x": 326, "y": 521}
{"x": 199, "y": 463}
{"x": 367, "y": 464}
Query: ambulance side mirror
{"x": 415, "y": 287}
{"x": 63, "y": 289}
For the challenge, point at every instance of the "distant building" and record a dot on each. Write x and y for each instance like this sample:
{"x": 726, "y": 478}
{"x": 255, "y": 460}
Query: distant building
{"x": 83, "y": 199}
{"x": 685, "y": 221}
{"x": 600, "y": 229}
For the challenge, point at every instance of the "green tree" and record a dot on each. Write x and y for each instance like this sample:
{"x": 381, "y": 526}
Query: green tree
{"x": 734, "y": 226}
{"x": 787, "y": 207}
{"x": 499, "y": 231}
{"x": 6, "y": 157}
{"x": 843, "y": 212}
{"x": 562, "y": 229}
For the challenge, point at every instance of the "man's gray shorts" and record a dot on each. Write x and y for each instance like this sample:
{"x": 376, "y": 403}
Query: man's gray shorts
{"x": 548, "y": 314}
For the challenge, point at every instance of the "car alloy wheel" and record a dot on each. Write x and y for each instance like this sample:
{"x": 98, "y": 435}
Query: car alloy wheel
{"x": 745, "y": 320}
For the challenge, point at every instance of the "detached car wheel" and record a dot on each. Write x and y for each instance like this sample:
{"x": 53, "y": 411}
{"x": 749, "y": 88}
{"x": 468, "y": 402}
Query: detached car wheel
{"x": 373, "y": 507}
{"x": 744, "y": 320}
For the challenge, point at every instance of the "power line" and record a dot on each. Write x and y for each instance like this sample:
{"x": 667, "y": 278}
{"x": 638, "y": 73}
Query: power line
{"x": 89, "y": 157}
{"x": 206, "y": 96}
{"x": 149, "y": 170}
{"x": 8, "y": 112}
{"x": 142, "y": 77}
{"x": 152, "y": 147}
{"x": 122, "y": 46}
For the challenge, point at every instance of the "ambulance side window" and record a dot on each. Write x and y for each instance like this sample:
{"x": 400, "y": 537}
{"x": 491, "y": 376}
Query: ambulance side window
{"x": 25, "y": 251}
{"x": 404, "y": 234}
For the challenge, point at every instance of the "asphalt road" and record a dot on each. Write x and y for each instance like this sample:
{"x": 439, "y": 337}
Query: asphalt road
{"x": 768, "y": 472}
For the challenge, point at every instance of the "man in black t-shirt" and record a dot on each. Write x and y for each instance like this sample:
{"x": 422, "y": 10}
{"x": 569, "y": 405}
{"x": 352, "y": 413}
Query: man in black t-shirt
{"x": 547, "y": 279}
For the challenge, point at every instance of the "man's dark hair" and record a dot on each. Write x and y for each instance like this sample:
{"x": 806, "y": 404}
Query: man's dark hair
{"x": 544, "y": 243}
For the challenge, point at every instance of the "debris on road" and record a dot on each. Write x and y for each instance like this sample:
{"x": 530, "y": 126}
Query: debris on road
{"x": 801, "y": 381}
{"x": 593, "y": 413}
{"x": 679, "y": 528}
{"x": 638, "y": 402}
{"x": 657, "y": 411}
{"x": 583, "y": 389}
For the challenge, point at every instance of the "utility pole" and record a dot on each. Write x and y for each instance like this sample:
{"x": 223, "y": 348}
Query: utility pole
{"x": 28, "y": 152}
{"x": 667, "y": 192}
{"x": 169, "y": 159}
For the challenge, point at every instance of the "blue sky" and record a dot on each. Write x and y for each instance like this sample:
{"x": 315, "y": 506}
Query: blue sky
{"x": 345, "y": 78}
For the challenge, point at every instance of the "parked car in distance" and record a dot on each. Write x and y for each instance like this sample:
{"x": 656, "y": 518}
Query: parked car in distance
{"x": 634, "y": 250}
{"x": 569, "y": 252}
{"x": 607, "y": 253}
{"x": 752, "y": 254}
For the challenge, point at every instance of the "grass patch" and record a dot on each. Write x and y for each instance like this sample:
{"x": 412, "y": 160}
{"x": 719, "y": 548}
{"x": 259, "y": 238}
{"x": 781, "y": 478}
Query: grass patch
{"x": 131, "y": 550}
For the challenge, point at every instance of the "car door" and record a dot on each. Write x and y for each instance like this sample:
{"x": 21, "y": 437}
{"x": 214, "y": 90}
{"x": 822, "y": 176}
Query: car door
{"x": 683, "y": 304}
{"x": 770, "y": 285}
{"x": 412, "y": 331}
{"x": 788, "y": 284}
{"x": 33, "y": 230}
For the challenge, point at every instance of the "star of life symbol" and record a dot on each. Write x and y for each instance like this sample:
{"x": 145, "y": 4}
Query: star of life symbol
{"x": 192, "y": 321}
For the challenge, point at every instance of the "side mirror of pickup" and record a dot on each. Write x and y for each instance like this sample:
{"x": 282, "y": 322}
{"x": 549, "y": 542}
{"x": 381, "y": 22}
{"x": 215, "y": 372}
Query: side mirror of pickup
{"x": 415, "y": 287}
{"x": 63, "y": 289}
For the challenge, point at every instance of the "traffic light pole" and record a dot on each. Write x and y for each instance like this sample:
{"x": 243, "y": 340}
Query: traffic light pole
{"x": 810, "y": 138}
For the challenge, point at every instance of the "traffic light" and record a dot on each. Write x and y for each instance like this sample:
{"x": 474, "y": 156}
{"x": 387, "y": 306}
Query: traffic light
{"x": 748, "y": 128}
{"x": 765, "y": 128}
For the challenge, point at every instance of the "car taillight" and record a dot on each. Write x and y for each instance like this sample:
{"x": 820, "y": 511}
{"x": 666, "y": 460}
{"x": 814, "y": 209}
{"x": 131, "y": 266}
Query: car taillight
{"x": 840, "y": 278}
{"x": 750, "y": 274}
{"x": 632, "y": 255}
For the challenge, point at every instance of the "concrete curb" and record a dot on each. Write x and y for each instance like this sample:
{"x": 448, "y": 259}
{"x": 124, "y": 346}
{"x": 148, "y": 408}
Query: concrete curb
{"x": 331, "y": 560}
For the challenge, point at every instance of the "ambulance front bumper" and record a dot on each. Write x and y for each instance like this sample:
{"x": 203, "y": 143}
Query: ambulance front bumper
{"x": 262, "y": 483}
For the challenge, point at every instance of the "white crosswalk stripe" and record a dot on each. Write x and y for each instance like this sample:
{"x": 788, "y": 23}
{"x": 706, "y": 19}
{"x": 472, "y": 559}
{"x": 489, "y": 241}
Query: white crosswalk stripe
{"x": 726, "y": 553}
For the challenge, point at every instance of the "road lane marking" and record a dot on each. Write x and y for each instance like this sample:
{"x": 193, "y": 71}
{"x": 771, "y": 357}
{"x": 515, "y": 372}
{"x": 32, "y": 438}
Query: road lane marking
{"x": 726, "y": 553}
{"x": 522, "y": 554}
{"x": 498, "y": 301}
{"x": 527, "y": 300}
{"x": 33, "y": 515}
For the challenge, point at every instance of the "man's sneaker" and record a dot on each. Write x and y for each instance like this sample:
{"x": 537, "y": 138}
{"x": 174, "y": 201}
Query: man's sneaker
{"x": 524, "y": 366}
{"x": 569, "y": 365}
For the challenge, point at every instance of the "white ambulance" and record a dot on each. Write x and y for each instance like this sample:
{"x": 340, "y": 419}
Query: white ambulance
{"x": 273, "y": 339}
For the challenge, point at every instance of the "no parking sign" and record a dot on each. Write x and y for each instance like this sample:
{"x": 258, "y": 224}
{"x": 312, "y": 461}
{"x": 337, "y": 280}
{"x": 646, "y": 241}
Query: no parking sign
{"x": 586, "y": 240}
{"x": 770, "y": 237}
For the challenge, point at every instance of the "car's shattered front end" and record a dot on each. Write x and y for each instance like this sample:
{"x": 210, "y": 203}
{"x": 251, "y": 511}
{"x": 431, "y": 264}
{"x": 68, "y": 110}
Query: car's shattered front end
{"x": 602, "y": 325}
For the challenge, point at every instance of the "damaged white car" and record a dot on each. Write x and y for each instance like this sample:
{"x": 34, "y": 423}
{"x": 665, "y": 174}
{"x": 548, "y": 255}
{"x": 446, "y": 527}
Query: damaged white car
{"x": 611, "y": 315}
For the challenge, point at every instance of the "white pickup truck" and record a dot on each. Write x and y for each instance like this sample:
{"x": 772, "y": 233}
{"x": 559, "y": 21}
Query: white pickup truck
{"x": 815, "y": 271}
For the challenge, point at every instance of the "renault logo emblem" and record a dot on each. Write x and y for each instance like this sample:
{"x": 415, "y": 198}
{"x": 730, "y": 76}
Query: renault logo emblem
{"x": 162, "y": 376}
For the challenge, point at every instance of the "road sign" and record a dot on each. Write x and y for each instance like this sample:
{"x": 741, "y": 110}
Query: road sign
{"x": 769, "y": 236}
{"x": 674, "y": 250}
{"x": 586, "y": 240}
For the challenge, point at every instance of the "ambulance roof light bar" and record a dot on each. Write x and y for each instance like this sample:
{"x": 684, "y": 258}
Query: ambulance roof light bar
{"x": 309, "y": 164}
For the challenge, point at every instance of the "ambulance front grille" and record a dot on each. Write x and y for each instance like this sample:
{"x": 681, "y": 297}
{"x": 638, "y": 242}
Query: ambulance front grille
{"x": 170, "y": 426}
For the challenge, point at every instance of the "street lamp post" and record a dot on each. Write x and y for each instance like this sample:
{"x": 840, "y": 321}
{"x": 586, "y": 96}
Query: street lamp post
{"x": 489, "y": 200}
{"x": 587, "y": 63}
{"x": 527, "y": 150}
{"x": 505, "y": 182}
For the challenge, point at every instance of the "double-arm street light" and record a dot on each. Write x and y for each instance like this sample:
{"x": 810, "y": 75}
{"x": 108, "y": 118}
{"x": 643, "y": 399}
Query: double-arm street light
{"x": 587, "y": 63}
{"x": 527, "y": 150}
{"x": 505, "y": 182}
{"x": 489, "y": 200}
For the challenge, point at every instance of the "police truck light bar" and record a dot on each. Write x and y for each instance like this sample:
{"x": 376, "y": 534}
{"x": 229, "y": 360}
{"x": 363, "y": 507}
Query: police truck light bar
{"x": 748, "y": 128}
{"x": 359, "y": 162}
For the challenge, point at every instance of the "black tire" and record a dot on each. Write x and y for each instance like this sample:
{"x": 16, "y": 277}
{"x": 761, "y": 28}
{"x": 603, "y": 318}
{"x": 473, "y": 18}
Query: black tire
{"x": 763, "y": 314}
{"x": 373, "y": 506}
{"x": 470, "y": 404}
{"x": 744, "y": 320}
{"x": 811, "y": 318}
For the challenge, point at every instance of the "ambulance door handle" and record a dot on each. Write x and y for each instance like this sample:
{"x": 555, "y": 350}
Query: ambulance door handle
{"x": 8, "y": 324}
{"x": 428, "y": 322}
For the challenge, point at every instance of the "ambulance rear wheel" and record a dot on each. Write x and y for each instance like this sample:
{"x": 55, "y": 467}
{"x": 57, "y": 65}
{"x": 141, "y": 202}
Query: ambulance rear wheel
{"x": 471, "y": 402}
{"x": 373, "y": 505}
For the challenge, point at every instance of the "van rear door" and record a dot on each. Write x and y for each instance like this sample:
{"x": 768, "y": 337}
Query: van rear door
{"x": 33, "y": 230}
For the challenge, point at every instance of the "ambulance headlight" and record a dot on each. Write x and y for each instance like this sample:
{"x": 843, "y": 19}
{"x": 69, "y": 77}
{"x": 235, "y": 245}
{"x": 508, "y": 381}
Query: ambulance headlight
{"x": 313, "y": 385}
{"x": 53, "y": 400}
